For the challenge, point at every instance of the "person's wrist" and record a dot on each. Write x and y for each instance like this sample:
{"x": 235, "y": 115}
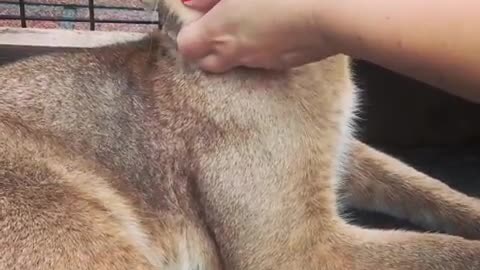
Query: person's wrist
{"x": 328, "y": 26}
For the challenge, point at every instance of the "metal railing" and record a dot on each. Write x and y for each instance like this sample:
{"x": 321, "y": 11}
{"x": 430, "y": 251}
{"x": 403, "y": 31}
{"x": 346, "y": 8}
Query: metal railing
{"x": 23, "y": 18}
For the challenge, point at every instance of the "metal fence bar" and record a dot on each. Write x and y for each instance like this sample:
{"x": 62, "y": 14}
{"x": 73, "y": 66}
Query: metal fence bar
{"x": 21, "y": 4}
{"x": 65, "y": 19}
{"x": 91, "y": 14}
{"x": 27, "y": 3}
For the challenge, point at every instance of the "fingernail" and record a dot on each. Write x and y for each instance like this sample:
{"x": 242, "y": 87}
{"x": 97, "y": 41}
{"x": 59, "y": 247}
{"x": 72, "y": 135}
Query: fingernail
{"x": 187, "y": 2}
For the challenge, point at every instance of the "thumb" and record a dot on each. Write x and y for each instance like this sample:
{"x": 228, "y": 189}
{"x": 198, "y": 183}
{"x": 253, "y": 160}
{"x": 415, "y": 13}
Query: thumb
{"x": 201, "y": 5}
{"x": 194, "y": 40}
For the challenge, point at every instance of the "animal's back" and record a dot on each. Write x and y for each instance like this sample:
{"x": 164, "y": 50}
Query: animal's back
{"x": 90, "y": 179}
{"x": 138, "y": 143}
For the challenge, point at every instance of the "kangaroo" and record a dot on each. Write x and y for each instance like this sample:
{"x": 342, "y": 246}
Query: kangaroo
{"x": 128, "y": 157}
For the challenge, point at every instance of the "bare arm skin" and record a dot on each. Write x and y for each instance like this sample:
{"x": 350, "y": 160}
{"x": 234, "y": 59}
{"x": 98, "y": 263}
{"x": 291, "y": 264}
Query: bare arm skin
{"x": 433, "y": 41}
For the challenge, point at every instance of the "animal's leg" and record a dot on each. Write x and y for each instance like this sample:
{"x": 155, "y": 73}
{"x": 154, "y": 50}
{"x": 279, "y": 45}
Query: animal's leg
{"x": 377, "y": 182}
{"x": 397, "y": 250}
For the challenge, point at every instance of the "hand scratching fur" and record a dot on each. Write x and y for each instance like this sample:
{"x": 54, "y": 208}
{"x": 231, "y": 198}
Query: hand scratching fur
{"x": 125, "y": 157}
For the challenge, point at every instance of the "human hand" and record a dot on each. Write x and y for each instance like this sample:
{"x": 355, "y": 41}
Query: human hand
{"x": 255, "y": 33}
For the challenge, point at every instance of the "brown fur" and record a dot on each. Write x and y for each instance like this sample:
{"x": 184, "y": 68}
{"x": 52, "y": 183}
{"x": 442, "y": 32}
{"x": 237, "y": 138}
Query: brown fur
{"x": 126, "y": 157}
{"x": 378, "y": 182}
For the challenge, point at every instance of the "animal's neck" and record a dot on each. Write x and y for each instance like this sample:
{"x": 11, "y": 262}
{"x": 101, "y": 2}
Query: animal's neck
{"x": 272, "y": 164}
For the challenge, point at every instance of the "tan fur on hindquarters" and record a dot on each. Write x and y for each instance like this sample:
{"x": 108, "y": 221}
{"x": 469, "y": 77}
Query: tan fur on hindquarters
{"x": 125, "y": 157}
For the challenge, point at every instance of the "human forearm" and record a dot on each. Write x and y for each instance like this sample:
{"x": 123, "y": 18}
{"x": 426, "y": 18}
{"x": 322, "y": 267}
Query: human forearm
{"x": 434, "y": 41}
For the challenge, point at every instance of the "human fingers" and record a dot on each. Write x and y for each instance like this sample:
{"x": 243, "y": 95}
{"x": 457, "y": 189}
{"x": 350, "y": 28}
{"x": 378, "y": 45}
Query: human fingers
{"x": 194, "y": 40}
{"x": 201, "y": 5}
{"x": 216, "y": 63}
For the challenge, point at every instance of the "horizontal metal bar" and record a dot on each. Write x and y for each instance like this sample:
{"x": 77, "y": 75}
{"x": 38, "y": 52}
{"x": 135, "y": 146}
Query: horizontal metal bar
{"x": 8, "y": 2}
{"x": 62, "y": 38}
{"x": 63, "y": 19}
